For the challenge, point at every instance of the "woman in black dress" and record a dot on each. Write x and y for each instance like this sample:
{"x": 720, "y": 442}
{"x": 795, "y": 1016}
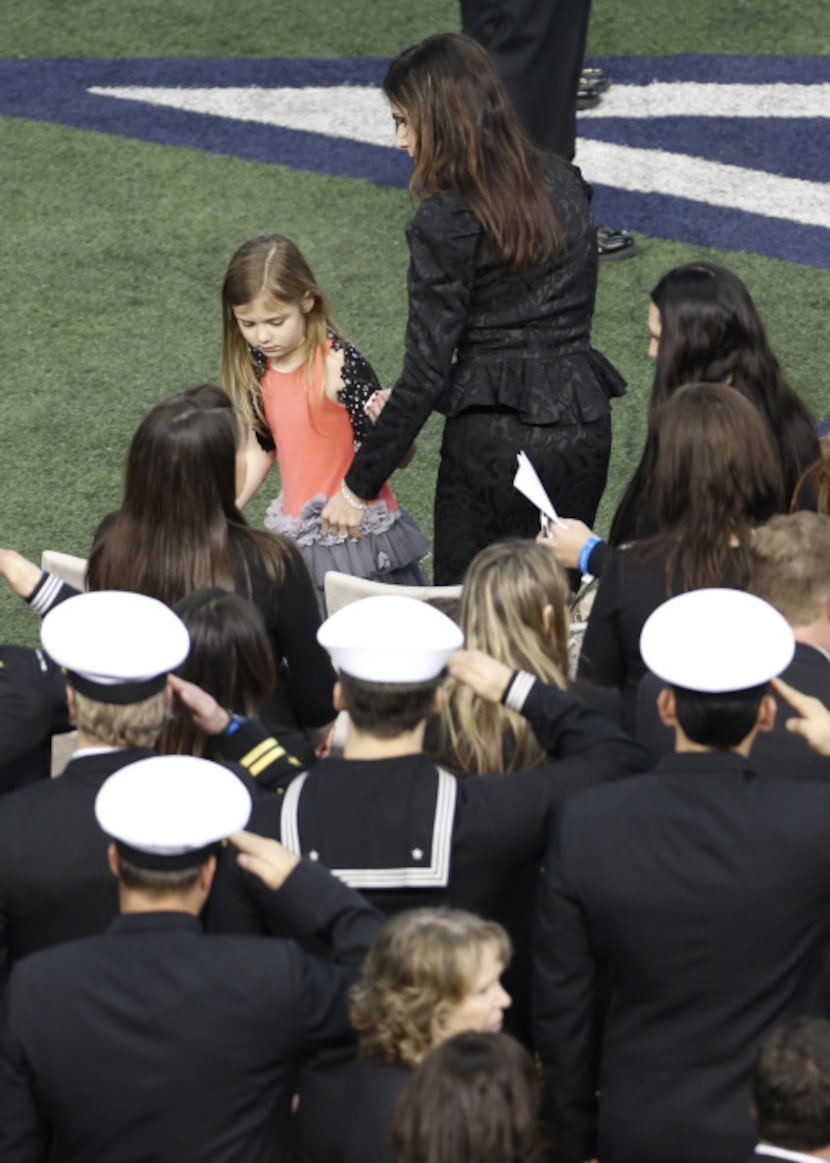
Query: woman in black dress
{"x": 502, "y": 281}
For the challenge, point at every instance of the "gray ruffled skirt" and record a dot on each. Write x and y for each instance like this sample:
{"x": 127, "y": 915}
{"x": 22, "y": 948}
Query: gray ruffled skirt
{"x": 390, "y": 548}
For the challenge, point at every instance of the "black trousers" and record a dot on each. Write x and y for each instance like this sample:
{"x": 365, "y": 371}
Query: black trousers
{"x": 475, "y": 502}
{"x": 538, "y": 47}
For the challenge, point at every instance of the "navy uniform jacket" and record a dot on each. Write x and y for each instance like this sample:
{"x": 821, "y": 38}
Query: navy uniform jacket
{"x": 55, "y": 883}
{"x": 32, "y": 709}
{"x": 701, "y": 895}
{"x": 407, "y": 834}
{"x": 154, "y": 1041}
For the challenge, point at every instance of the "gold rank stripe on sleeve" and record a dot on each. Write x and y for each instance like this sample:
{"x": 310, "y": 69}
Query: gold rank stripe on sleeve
{"x": 263, "y": 755}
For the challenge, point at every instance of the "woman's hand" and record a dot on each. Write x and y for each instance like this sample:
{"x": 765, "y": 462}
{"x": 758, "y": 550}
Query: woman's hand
{"x": 342, "y": 518}
{"x": 265, "y": 858}
{"x": 566, "y": 540}
{"x": 487, "y": 677}
{"x": 21, "y": 574}
{"x": 813, "y": 722}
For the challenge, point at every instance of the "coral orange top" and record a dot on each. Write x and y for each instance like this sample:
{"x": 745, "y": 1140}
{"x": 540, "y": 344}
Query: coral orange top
{"x": 313, "y": 436}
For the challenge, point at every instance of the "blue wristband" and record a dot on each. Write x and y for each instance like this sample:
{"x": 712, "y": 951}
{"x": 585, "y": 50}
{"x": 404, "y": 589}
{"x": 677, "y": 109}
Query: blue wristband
{"x": 233, "y": 726}
{"x": 586, "y": 551}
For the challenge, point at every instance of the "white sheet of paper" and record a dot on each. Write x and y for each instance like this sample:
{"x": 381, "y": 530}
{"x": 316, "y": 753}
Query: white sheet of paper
{"x": 527, "y": 482}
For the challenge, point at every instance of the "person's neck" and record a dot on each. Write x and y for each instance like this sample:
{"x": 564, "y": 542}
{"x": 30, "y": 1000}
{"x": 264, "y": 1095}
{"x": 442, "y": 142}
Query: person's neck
{"x": 361, "y": 745}
{"x": 131, "y": 900}
{"x": 816, "y": 634}
{"x": 84, "y": 740}
{"x": 683, "y": 745}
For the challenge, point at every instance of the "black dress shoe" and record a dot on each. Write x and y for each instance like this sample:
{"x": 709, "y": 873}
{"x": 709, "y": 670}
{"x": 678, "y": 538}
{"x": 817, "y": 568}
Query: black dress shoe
{"x": 614, "y": 244}
{"x": 587, "y": 96}
{"x": 595, "y": 78}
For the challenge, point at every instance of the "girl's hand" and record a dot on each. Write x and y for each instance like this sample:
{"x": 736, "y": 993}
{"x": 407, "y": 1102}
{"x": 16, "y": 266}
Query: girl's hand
{"x": 813, "y": 722}
{"x": 487, "y": 677}
{"x": 566, "y": 540}
{"x": 21, "y": 574}
{"x": 342, "y": 519}
{"x": 376, "y": 403}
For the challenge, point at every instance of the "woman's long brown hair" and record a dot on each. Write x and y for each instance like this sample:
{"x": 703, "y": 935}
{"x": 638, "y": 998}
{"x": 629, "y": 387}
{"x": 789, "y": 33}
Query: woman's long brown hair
{"x": 179, "y": 529}
{"x": 471, "y": 143}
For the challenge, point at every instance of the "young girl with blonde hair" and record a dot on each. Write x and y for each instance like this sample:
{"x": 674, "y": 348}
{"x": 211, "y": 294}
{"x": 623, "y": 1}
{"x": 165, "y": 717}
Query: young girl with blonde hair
{"x": 309, "y": 398}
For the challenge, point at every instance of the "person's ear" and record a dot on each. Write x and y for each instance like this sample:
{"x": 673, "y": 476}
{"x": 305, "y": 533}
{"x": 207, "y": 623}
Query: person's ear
{"x": 338, "y": 701}
{"x": 112, "y": 860}
{"x": 766, "y": 713}
{"x": 437, "y": 701}
{"x": 308, "y": 302}
{"x": 667, "y": 707}
{"x": 71, "y": 704}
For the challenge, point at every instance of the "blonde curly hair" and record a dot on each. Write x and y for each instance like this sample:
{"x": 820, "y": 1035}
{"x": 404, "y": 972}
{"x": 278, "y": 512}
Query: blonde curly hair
{"x": 423, "y": 963}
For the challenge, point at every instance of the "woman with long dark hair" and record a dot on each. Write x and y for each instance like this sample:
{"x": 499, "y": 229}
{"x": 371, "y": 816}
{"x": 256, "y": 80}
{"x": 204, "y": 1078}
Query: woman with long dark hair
{"x": 474, "y": 1099}
{"x": 716, "y": 476}
{"x": 705, "y": 328}
{"x": 179, "y": 530}
{"x": 502, "y": 281}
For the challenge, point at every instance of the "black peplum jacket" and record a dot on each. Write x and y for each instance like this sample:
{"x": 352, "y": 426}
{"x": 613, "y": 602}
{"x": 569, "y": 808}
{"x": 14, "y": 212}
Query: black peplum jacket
{"x": 479, "y": 335}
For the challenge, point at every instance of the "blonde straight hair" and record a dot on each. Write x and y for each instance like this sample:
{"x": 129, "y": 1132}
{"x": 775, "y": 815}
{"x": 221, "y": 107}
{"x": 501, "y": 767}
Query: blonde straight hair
{"x": 273, "y": 267}
{"x": 514, "y": 606}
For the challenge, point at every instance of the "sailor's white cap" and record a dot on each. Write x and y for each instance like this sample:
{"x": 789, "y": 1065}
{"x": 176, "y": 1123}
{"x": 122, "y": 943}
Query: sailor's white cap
{"x": 117, "y": 647}
{"x": 390, "y": 639}
{"x": 716, "y": 640}
{"x": 170, "y": 811}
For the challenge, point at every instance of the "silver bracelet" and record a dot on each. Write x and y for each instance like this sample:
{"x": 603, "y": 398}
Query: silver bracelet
{"x": 350, "y": 499}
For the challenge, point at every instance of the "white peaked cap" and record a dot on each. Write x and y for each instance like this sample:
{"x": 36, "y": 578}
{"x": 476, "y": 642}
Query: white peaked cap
{"x": 112, "y": 638}
{"x": 168, "y": 806}
{"x": 390, "y": 639}
{"x": 716, "y": 640}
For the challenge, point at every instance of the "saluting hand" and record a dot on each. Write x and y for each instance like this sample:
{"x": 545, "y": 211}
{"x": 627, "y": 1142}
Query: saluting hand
{"x": 488, "y": 678}
{"x": 265, "y": 858}
{"x": 814, "y": 721}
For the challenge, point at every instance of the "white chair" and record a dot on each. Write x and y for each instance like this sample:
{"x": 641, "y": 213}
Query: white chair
{"x": 70, "y": 569}
{"x": 66, "y": 566}
{"x": 342, "y": 588}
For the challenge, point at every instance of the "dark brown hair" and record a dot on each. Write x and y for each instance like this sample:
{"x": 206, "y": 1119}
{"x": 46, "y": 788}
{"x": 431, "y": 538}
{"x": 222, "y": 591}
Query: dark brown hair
{"x": 716, "y": 476}
{"x": 791, "y": 1086}
{"x": 471, "y": 143}
{"x": 230, "y": 657}
{"x": 179, "y": 529}
{"x": 711, "y": 332}
{"x": 474, "y": 1099}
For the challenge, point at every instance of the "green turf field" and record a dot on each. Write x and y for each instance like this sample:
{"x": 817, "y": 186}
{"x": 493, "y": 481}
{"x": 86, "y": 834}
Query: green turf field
{"x": 112, "y": 250}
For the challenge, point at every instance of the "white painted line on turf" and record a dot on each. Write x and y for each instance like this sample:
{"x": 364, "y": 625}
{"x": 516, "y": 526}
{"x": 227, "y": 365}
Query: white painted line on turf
{"x": 360, "y": 113}
{"x": 696, "y": 99}
{"x": 655, "y": 171}
{"x": 357, "y": 112}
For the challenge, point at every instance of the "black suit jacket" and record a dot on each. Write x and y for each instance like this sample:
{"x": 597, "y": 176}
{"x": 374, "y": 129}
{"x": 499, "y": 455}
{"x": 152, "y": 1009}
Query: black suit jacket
{"x": 156, "y": 1041}
{"x": 55, "y": 883}
{"x": 32, "y": 709}
{"x": 775, "y": 752}
{"x": 700, "y": 896}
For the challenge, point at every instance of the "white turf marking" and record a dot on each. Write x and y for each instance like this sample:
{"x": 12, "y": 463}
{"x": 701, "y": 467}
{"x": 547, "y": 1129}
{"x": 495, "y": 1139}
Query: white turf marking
{"x": 692, "y": 99}
{"x": 360, "y": 113}
{"x": 357, "y": 112}
{"x": 654, "y": 171}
